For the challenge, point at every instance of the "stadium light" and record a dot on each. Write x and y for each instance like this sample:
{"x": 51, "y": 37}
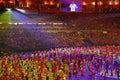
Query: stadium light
{"x": 52, "y": 3}
{"x": 0, "y": 22}
{"x": 15, "y": 23}
{"x": 116, "y": 3}
{"x": 46, "y": 2}
{"x": 93, "y": 3}
{"x": 110, "y": 3}
{"x": 100, "y": 3}
{"x": 84, "y": 3}
{"x": 10, "y": 23}
{"x": 20, "y": 23}
{"x": 29, "y": 23}
{"x": 11, "y": 2}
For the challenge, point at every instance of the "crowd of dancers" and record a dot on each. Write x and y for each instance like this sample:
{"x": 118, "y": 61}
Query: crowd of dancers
{"x": 60, "y": 63}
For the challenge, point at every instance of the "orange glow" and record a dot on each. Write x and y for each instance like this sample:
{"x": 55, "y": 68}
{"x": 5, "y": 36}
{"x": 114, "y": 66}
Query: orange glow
{"x": 28, "y": 4}
{"x": 11, "y": 1}
{"x": 100, "y": 3}
{"x": 116, "y": 2}
{"x": 52, "y": 3}
{"x": 84, "y": 3}
{"x": 110, "y": 3}
{"x": 93, "y": 3}
{"x": 46, "y": 2}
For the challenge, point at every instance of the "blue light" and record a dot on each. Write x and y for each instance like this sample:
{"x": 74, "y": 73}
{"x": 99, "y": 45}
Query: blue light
{"x": 21, "y": 10}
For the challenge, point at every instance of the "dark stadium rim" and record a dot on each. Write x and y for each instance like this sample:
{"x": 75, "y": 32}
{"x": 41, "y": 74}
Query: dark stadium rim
{"x": 13, "y": 51}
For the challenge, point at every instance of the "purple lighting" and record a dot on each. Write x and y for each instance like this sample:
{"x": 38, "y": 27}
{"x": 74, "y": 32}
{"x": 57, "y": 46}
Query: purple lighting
{"x": 65, "y": 5}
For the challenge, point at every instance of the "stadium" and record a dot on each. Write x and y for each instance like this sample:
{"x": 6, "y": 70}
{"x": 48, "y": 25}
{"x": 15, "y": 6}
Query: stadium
{"x": 49, "y": 40}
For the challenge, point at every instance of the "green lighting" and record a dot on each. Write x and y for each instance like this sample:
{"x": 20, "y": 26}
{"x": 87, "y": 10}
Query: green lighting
{"x": 5, "y": 16}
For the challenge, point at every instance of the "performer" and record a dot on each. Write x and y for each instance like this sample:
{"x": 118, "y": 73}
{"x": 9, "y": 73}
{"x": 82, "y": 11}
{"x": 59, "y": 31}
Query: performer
{"x": 73, "y": 6}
